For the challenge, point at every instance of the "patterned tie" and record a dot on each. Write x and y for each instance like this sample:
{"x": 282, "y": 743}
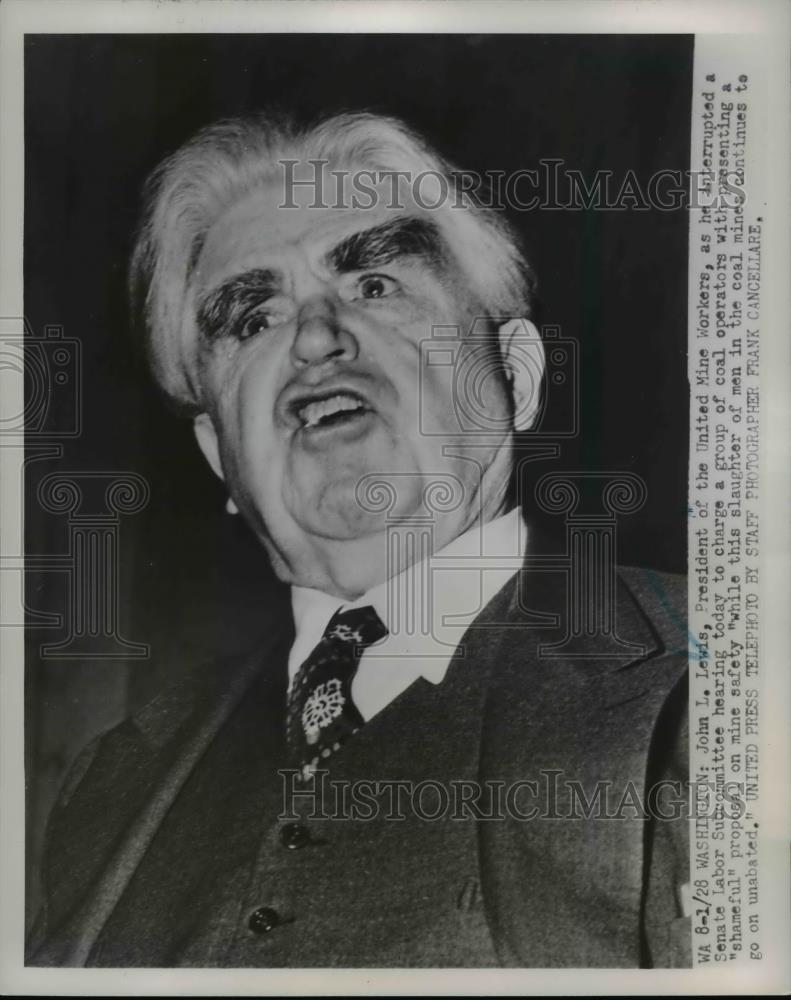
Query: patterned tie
{"x": 321, "y": 713}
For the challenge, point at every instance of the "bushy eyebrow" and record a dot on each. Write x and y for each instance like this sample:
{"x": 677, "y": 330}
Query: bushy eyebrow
{"x": 224, "y": 306}
{"x": 230, "y": 300}
{"x": 380, "y": 245}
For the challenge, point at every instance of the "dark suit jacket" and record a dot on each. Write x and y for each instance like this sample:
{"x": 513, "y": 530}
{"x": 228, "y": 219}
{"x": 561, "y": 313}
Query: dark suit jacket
{"x": 170, "y": 832}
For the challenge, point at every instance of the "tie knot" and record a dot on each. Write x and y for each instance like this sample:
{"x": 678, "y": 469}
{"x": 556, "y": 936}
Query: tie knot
{"x": 358, "y": 627}
{"x": 321, "y": 711}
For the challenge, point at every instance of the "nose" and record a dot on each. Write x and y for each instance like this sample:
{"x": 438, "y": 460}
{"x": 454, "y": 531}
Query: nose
{"x": 320, "y": 336}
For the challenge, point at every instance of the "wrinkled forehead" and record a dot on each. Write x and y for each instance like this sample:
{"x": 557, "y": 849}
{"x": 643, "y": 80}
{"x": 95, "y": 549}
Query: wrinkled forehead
{"x": 316, "y": 219}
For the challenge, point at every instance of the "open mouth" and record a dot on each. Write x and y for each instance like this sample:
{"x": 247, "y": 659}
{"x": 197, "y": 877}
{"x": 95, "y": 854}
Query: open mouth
{"x": 329, "y": 410}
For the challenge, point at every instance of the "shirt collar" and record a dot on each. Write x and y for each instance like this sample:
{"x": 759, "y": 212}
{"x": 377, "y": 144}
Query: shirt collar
{"x": 428, "y": 606}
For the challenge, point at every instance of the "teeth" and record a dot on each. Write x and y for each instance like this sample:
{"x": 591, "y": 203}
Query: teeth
{"x": 312, "y": 413}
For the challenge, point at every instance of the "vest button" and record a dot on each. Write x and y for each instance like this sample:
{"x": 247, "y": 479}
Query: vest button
{"x": 294, "y": 836}
{"x": 263, "y": 920}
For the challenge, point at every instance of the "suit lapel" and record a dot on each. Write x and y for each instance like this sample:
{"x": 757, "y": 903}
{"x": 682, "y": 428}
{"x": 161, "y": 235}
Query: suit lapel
{"x": 566, "y": 891}
{"x": 180, "y": 728}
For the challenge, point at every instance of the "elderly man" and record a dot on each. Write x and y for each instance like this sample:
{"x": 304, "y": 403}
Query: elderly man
{"x": 293, "y": 807}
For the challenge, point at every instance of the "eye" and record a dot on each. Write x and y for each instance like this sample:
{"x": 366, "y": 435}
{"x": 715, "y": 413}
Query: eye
{"x": 258, "y": 323}
{"x": 376, "y": 286}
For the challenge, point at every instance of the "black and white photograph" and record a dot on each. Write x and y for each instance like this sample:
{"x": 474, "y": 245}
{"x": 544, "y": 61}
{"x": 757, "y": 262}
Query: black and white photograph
{"x": 389, "y": 466}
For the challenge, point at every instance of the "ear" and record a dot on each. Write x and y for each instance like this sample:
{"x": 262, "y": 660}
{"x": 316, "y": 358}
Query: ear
{"x": 522, "y": 351}
{"x": 206, "y": 436}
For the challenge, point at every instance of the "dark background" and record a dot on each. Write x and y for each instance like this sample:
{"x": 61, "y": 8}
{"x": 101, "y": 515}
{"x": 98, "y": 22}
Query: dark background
{"x": 101, "y": 111}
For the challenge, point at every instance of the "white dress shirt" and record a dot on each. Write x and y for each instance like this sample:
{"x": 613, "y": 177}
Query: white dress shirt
{"x": 426, "y": 608}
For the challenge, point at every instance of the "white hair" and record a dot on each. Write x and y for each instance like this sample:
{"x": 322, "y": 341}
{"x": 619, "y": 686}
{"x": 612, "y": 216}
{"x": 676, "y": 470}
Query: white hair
{"x": 189, "y": 191}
